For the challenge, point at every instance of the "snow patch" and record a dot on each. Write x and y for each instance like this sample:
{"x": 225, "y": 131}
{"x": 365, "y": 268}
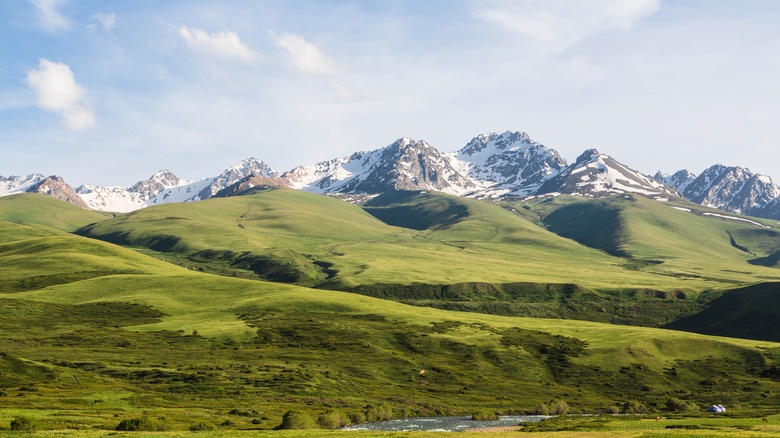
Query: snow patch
{"x": 736, "y": 219}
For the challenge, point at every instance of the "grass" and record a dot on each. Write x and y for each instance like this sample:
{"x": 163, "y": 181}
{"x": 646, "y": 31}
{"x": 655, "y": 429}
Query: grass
{"x": 43, "y": 210}
{"x": 92, "y": 334}
{"x": 618, "y": 260}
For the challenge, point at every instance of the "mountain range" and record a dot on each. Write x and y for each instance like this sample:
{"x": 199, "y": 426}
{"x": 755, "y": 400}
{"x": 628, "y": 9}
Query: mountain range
{"x": 489, "y": 166}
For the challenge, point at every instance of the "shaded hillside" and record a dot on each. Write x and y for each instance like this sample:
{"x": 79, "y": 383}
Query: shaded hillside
{"x": 750, "y": 313}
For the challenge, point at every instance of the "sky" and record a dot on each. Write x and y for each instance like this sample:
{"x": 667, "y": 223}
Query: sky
{"x": 109, "y": 92}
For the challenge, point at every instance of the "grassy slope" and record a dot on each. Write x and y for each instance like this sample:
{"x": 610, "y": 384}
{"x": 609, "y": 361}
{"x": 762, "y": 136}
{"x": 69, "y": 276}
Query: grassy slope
{"x": 37, "y": 209}
{"x": 749, "y": 312}
{"x": 665, "y": 240}
{"x": 117, "y": 346}
{"x": 487, "y": 244}
{"x": 33, "y": 258}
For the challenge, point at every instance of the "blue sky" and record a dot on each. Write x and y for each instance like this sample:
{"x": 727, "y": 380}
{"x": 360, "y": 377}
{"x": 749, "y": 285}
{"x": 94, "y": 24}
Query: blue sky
{"x": 108, "y": 92}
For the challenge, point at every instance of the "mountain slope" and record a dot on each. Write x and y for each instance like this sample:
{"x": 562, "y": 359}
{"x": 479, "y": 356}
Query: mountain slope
{"x": 597, "y": 174}
{"x": 677, "y": 238}
{"x": 37, "y": 209}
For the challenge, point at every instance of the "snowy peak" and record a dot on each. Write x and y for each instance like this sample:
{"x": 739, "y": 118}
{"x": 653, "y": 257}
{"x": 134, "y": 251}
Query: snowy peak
{"x": 56, "y": 187}
{"x": 680, "y": 180}
{"x": 406, "y": 164}
{"x": 596, "y": 174}
{"x": 18, "y": 184}
{"x": 508, "y": 163}
{"x": 158, "y": 182}
{"x": 733, "y": 188}
{"x": 244, "y": 169}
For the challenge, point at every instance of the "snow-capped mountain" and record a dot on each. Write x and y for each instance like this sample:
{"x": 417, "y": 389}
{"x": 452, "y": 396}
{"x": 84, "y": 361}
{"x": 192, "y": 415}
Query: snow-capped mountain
{"x": 56, "y": 187}
{"x": 53, "y": 186}
{"x": 596, "y": 174}
{"x": 404, "y": 165}
{"x": 488, "y": 166}
{"x": 731, "y": 188}
{"x": 164, "y": 187}
{"x": 18, "y": 184}
{"x": 507, "y": 164}
{"x": 680, "y": 180}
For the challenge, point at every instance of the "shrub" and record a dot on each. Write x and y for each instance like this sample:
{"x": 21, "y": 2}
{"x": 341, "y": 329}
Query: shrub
{"x": 144, "y": 424}
{"x": 634, "y": 407}
{"x": 676, "y": 405}
{"x": 22, "y": 423}
{"x": 357, "y": 417}
{"x": 297, "y": 420}
{"x": 332, "y": 419}
{"x": 541, "y": 409}
{"x": 380, "y": 412}
{"x": 558, "y": 407}
{"x": 201, "y": 427}
{"x": 484, "y": 416}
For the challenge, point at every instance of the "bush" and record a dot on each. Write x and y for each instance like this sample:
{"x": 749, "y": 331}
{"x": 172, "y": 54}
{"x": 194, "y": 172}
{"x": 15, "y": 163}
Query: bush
{"x": 297, "y": 420}
{"x": 484, "y": 416}
{"x": 357, "y": 417}
{"x": 144, "y": 424}
{"x": 22, "y": 423}
{"x": 676, "y": 405}
{"x": 201, "y": 427}
{"x": 558, "y": 407}
{"x": 554, "y": 407}
{"x": 332, "y": 419}
{"x": 380, "y": 412}
{"x": 634, "y": 407}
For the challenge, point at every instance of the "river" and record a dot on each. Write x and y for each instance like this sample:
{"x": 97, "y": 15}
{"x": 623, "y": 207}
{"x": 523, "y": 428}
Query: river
{"x": 446, "y": 424}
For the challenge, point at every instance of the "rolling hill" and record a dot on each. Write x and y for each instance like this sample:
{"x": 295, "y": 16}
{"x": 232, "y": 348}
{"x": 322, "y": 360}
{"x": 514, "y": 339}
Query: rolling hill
{"x": 194, "y": 348}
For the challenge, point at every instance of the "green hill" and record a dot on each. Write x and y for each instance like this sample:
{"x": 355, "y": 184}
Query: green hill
{"x": 452, "y": 253}
{"x": 37, "y": 209}
{"x": 675, "y": 238}
{"x": 183, "y": 348}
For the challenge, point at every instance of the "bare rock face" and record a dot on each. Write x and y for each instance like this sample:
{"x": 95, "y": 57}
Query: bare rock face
{"x": 56, "y": 187}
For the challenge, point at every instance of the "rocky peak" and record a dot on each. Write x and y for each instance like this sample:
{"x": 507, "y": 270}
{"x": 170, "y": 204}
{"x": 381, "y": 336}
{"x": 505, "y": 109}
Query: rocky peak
{"x": 56, "y": 187}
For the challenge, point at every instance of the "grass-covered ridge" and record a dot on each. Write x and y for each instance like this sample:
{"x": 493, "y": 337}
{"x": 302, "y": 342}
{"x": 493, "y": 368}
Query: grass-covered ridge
{"x": 622, "y": 260}
{"x": 38, "y": 209}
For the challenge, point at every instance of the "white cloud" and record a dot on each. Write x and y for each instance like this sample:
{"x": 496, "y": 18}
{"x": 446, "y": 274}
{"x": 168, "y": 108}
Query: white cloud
{"x": 49, "y": 15}
{"x": 305, "y": 56}
{"x": 107, "y": 22}
{"x": 57, "y": 91}
{"x": 554, "y": 25}
{"x": 224, "y": 44}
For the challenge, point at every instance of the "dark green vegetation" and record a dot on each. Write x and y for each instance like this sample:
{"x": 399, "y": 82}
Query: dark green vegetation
{"x": 94, "y": 335}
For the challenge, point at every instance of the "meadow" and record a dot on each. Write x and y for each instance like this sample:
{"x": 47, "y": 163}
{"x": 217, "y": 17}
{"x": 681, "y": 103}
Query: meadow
{"x": 94, "y": 335}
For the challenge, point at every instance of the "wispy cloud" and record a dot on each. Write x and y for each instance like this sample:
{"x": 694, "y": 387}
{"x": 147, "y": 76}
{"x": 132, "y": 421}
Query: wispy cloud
{"x": 57, "y": 91}
{"x": 225, "y": 44}
{"x": 305, "y": 56}
{"x": 49, "y": 15}
{"x": 106, "y": 22}
{"x": 555, "y": 25}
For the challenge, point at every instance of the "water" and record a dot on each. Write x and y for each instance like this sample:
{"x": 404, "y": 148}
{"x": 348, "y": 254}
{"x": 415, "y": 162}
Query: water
{"x": 446, "y": 424}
